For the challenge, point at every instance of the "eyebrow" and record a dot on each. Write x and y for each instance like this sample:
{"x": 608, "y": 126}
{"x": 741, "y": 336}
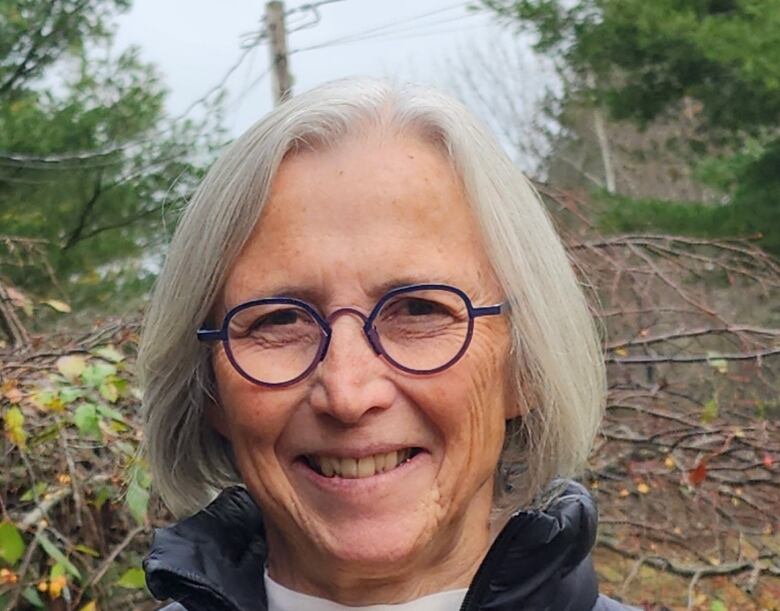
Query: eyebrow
{"x": 315, "y": 296}
{"x": 398, "y": 282}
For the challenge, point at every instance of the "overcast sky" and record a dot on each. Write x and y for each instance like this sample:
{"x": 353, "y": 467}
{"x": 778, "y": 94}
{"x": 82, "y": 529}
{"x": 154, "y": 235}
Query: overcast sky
{"x": 194, "y": 44}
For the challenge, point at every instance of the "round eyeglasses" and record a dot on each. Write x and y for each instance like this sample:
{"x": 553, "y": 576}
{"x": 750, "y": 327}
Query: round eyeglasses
{"x": 278, "y": 341}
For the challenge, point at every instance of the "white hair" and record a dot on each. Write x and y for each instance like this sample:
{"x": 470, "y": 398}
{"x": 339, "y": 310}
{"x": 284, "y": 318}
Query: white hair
{"x": 558, "y": 364}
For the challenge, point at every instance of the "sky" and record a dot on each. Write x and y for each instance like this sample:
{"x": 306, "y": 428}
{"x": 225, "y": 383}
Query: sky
{"x": 195, "y": 43}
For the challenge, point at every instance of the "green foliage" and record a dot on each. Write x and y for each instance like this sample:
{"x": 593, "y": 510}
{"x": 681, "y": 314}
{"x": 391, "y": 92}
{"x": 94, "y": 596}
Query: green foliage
{"x": 648, "y": 55}
{"x": 11, "y": 543}
{"x": 35, "y": 34}
{"x": 644, "y": 59}
{"x": 753, "y": 210}
{"x": 68, "y": 416}
{"x": 138, "y": 493}
{"x": 59, "y": 558}
{"x": 132, "y": 579}
{"x": 89, "y": 163}
{"x": 626, "y": 215}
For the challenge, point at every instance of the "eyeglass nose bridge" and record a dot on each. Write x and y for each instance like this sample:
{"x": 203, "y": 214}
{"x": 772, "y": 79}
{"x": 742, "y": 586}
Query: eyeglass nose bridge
{"x": 368, "y": 330}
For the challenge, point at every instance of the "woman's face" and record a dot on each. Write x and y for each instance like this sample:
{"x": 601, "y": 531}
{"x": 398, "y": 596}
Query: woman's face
{"x": 340, "y": 228}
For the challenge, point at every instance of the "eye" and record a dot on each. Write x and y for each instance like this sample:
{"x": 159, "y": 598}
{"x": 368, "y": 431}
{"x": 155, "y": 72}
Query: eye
{"x": 415, "y": 308}
{"x": 420, "y": 307}
{"x": 279, "y": 317}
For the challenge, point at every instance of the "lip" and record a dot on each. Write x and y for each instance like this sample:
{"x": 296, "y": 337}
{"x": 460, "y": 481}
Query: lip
{"x": 343, "y": 485}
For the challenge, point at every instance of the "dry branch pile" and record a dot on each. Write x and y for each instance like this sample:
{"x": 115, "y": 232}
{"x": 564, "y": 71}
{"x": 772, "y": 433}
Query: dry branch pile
{"x": 686, "y": 472}
{"x": 74, "y": 494}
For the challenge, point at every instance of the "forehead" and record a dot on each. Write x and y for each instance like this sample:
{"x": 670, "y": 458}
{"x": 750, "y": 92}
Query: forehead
{"x": 371, "y": 207}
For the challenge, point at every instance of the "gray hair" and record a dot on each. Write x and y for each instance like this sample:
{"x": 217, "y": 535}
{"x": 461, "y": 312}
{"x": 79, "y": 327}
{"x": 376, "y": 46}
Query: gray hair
{"x": 558, "y": 364}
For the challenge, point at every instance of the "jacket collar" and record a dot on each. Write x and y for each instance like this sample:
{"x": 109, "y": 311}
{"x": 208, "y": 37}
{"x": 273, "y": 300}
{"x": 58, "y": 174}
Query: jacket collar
{"x": 540, "y": 560}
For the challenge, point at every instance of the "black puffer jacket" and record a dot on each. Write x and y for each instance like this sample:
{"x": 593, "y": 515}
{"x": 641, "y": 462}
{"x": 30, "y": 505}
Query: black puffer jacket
{"x": 540, "y": 561}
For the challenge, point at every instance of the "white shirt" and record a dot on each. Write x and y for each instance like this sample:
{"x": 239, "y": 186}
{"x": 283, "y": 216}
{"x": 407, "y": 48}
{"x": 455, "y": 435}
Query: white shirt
{"x": 284, "y": 599}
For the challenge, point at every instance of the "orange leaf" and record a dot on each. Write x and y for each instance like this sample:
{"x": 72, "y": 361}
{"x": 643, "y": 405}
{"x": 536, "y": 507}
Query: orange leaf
{"x": 57, "y": 585}
{"x": 768, "y": 460}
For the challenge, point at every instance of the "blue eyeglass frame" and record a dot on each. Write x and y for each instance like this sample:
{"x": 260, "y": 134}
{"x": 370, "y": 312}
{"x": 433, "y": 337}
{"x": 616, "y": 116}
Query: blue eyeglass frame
{"x": 374, "y": 340}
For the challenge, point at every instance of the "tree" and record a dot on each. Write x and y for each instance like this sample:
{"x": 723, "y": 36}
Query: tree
{"x": 644, "y": 61}
{"x": 88, "y": 160}
{"x": 505, "y": 85}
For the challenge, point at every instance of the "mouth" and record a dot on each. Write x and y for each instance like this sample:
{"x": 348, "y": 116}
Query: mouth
{"x": 359, "y": 468}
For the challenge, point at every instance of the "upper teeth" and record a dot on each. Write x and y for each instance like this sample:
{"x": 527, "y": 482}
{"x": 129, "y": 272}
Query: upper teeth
{"x": 360, "y": 467}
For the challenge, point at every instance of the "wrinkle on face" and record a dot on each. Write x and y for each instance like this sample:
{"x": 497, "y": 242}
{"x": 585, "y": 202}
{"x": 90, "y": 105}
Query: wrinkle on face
{"x": 340, "y": 226}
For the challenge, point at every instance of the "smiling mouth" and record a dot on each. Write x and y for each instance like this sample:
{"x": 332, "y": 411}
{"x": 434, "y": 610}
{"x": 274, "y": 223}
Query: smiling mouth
{"x": 357, "y": 468}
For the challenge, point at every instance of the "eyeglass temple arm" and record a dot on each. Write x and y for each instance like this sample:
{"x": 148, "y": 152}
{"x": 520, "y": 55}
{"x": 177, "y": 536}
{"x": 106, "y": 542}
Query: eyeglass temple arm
{"x": 490, "y": 310}
{"x": 210, "y": 335}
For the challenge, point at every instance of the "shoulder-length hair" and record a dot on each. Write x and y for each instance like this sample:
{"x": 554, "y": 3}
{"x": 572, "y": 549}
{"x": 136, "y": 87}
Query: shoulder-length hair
{"x": 558, "y": 364}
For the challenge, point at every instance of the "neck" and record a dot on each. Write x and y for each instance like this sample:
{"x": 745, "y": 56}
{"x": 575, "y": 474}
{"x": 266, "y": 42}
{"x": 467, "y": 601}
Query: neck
{"x": 425, "y": 570}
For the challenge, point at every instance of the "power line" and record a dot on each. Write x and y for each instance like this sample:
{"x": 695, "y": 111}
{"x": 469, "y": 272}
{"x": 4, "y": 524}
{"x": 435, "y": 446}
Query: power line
{"x": 402, "y": 34}
{"x": 383, "y": 29}
{"x": 387, "y": 31}
{"x": 66, "y": 161}
{"x": 57, "y": 161}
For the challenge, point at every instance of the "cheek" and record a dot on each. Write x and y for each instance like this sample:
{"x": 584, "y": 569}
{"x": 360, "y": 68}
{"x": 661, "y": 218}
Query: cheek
{"x": 471, "y": 401}
{"x": 252, "y": 414}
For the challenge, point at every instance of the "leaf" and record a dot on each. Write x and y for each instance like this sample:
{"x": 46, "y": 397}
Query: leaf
{"x": 718, "y": 605}
{"x": 33, "y": 492}
{"x": 57, "y": 570}
{"x": 56, "y": 304}
{"x": 710, "y": 411}
{"x": 14, "y": 427}
{"x": 31, "y": 596}
{"x": 47, "y": 400}
{"x": 71, "y": 366}
{"x": 109, "y": 353}
{"x": 102, "y": 496}
{"x": 19, "y": 299}
{"x": 90, "y": 606}
{"x": 87, "y": 420}
{"x": 118, "y": 427}
{"x": 109, "y": 392}
{"x": 643, "y": 488}
{"x": 11, "y": 543}
{"x": 137, "y": 500}
{"x": 110, "y": 412}
{"x": 698, "y": 474}
{"x": 87, "y": 550}
{"x": 11, "y": 392}
{"x": 56, "y": 555}
{"x": 96, "y": 373}
{"x": 70, "y": 394}
{"x": 132, "y": 579}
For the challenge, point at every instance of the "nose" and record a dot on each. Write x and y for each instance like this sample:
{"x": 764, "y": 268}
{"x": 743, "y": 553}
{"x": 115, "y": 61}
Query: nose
{"x": 351, "y": 380}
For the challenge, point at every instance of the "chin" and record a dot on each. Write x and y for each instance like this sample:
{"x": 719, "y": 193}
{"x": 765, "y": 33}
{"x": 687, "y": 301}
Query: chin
{"x": 377, "y": 545}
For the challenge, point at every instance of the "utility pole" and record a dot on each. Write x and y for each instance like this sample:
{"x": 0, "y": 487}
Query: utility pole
{"x": 274, "y": 21}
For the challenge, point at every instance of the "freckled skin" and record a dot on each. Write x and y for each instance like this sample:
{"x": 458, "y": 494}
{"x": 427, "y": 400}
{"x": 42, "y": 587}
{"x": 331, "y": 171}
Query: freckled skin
{"x": 340, "y": 223}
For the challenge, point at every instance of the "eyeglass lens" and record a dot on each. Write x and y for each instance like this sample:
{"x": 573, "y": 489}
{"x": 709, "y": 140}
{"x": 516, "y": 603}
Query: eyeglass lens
{"x": 420, "y": 330}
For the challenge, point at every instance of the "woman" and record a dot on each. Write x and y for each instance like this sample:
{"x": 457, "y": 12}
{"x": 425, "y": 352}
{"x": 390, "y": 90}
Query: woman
{"x": 367, "y": 326}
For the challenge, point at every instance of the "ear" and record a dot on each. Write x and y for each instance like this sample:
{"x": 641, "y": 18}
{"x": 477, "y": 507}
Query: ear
{"x": 515, "y": 409}
{"x": 519, "y": 399}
